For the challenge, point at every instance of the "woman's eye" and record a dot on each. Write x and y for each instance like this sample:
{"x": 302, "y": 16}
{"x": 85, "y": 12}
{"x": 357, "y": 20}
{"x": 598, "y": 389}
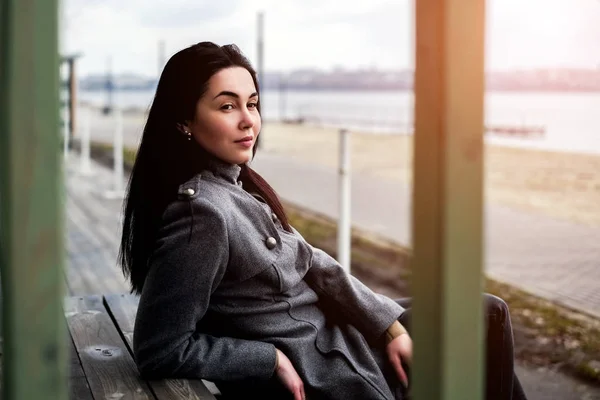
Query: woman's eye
{"x": 227, "y": 107}
{"x": 252, "y": 105}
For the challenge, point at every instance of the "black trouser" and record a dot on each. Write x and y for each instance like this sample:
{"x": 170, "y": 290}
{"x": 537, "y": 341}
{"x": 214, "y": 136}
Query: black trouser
{"x": 501, "y": 381}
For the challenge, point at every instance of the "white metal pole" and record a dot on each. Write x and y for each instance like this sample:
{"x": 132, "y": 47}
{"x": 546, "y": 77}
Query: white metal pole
{"x": 86, "y": 167}
{"x": 65, "y": 122}
{"x": 344, "y": 233}
{"x": 118, "y": 151}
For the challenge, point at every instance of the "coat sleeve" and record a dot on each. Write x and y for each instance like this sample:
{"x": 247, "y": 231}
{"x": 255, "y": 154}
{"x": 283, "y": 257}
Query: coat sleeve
{"x": 189, "y": 261}
{"x": 371, "y": 313}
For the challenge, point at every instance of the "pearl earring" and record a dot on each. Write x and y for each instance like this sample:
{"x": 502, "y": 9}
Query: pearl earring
{"x": 189, "y": 135}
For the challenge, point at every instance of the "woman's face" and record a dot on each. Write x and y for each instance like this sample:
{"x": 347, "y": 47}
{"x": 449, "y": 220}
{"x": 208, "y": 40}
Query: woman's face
{"x": 227, "y": 121}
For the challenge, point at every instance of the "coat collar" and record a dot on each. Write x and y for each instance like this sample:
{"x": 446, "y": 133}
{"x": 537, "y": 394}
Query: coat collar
{"x": 215, "y": 168}
{"x": 223, "y": 170}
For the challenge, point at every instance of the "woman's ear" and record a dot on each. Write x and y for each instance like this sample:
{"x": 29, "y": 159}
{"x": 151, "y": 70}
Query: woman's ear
{"x": 183, "y": 128}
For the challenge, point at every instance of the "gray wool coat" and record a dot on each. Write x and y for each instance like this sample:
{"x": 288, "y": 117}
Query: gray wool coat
{"x": 228, "y": 285}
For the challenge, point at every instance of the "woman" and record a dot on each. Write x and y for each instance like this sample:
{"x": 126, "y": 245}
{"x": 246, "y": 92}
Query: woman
{"x": 230, "y": 292}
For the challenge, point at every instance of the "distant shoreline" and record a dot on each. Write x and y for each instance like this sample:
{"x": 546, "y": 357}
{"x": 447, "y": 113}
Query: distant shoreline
{"x": 513, "y": 89}
{"x": 341, "y": 79}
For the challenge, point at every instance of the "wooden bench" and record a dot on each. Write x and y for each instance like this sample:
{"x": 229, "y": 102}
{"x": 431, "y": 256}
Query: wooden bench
{"x": 101, "y": 360}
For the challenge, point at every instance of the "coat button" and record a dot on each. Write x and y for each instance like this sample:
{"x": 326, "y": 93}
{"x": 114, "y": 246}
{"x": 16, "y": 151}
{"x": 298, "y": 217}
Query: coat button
{"x": 189, "y": 192}
{"x": 274, "y": 216}
{"x": 271, "y": 243}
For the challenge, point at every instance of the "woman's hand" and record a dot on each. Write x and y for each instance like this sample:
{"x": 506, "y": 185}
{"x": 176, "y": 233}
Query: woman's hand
{"x": 289, "y": 377}
{"x": 398, "y": 350}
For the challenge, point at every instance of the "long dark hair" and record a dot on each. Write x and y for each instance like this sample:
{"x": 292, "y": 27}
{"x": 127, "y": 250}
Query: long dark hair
{"x": 166, "y": 159}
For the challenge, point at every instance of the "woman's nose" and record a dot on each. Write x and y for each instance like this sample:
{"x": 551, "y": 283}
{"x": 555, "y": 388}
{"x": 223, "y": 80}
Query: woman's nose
{"x": 247, "y": 120}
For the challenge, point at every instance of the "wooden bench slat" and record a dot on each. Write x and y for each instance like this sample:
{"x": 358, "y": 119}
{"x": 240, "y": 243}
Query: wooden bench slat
{"x": 78, "y": 386}
{"x": 123, "y": 308}
{"x": 106, "y": 361}
{"x": 79, "y": 389}
{"x": 75, "y": 368}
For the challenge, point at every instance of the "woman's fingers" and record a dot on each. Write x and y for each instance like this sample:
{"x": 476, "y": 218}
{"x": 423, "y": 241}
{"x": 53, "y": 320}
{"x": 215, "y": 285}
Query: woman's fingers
{"x": 406, "y": 348}
{"x": 298, "y": 390}
{"x": 289, "y": 377}
{"x": 398, "y": 350}
{"x": 299, "y": 394}
{"x": 295, "y": 385}
{"x": 397, "y": 364}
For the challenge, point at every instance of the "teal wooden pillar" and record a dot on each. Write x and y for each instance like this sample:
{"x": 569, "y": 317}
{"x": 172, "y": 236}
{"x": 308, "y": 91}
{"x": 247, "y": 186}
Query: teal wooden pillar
{"x": 31, "y": 217}
{"x": 448, "y": 198}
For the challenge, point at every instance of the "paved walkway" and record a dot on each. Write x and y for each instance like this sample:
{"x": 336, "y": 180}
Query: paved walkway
{"x": 557, "y": 260}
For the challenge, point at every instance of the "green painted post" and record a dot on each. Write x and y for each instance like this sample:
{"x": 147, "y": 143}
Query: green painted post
{"x": 31, "y": 216}
{"x": 447, "y": 199}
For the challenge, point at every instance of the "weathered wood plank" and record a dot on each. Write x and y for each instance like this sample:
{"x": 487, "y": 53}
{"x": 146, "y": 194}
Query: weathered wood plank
{"x": 79, "y": 389}
{"x": 75, "y": 368}
{"x": 92, "y": 265}
{"x": 103, "y": 213}
{"x": 108, "y": 366}
{"x": 447, "y": 199}
{"x": 123, "y": 309}
{"x": 32, "y": 237}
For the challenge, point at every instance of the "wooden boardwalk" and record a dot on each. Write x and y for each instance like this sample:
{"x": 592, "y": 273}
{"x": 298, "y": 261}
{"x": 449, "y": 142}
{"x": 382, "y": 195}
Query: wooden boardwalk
{"x": 93, "y": 233}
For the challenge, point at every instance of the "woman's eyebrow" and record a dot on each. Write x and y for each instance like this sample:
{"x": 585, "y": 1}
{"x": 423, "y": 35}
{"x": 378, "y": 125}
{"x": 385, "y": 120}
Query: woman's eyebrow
{"x": 233, "y": 94}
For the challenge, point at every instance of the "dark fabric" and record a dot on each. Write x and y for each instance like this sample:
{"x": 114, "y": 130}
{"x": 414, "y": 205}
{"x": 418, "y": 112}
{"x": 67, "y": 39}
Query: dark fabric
{"x": 245, "y": 389}
{"x": 501, "y": 381}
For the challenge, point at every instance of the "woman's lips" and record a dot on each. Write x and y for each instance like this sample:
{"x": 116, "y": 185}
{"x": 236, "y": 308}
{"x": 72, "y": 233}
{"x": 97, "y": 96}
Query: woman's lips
{"x": 245, "y": 142}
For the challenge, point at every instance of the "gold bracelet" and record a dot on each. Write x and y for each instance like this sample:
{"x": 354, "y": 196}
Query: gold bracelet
{"x": 395, "y": 330}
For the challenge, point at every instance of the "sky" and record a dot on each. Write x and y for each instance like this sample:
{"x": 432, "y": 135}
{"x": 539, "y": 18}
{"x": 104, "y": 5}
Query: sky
{"x": 324, "y": 34}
